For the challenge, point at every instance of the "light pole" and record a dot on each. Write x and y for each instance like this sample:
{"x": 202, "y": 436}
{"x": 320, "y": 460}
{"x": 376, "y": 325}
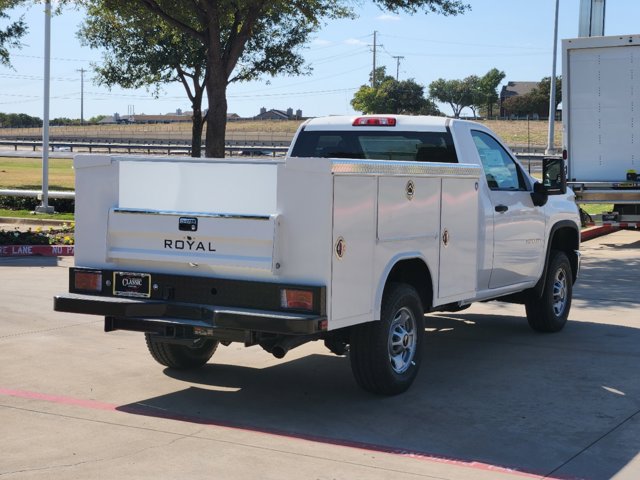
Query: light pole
{"x": 82, "y": 70}
{"x": 45, "y": 208}
{"x": 552, "y": 90}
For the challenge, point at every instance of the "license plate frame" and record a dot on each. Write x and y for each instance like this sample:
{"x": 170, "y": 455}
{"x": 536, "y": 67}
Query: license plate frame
{"x": 130, "y": 284}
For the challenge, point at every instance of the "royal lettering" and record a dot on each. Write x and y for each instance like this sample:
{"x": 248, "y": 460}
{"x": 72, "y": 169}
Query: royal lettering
{"x": 188, "y": 245}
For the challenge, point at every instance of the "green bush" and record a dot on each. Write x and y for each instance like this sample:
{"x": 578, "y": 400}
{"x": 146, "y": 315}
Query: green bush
{"x": 61, "y": 205}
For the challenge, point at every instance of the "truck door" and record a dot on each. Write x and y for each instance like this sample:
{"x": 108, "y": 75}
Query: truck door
{"x": 518, "y": 225}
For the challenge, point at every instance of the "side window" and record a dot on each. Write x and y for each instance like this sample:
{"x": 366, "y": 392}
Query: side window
{"x": 501, "y": 171}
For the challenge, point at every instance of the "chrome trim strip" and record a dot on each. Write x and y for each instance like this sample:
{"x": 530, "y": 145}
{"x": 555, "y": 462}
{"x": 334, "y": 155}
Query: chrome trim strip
{"x": 134, "y": 211}
{"x": 386, "y": 167}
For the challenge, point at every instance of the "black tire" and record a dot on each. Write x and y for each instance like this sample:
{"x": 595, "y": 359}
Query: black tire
{"x": 386, "y": 355}
{"x": 181, "y": 357}
{"x": 549, "y": 313}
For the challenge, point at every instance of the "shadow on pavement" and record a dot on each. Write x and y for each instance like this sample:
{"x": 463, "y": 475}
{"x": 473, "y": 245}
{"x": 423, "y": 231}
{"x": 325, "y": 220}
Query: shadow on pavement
{"x": 489, "y": 390}
{"x": 32, "y": 261}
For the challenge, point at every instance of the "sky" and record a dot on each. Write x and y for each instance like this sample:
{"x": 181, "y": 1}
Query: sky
{"x": 515, "y": 36}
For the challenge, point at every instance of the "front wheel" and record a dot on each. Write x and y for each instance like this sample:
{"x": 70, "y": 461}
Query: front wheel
{"x": 181, "y": 357}
{"x": 386, "y": 355}
{"x": 549, "y": 313}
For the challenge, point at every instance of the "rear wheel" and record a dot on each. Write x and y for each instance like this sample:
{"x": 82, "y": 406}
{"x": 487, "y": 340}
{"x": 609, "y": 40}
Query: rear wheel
{"x": 181, "y": 356}
{"x": 549, "y": 313}
{"x": 386, "y": 355}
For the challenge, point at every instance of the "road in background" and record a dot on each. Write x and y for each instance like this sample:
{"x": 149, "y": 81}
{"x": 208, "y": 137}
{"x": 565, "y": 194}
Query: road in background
{"x": 494, "y": 400}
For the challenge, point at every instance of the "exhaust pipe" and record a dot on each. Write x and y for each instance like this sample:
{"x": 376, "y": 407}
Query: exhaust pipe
{"x": 280, "y": 348}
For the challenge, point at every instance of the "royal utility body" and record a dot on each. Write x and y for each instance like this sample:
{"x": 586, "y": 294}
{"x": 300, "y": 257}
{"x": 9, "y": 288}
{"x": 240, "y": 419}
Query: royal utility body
{"x": 367, "y": 224}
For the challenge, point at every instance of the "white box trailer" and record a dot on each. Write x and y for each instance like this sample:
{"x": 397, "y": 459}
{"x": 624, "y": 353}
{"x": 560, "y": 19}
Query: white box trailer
{"x": 601, "y": 120}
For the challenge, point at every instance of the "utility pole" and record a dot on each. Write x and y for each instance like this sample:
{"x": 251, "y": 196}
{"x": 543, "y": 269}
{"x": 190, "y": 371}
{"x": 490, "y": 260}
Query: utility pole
{"x": 373, "y": 73}
{"x": 82, "y": 70}
{"x": 398, "y": 58}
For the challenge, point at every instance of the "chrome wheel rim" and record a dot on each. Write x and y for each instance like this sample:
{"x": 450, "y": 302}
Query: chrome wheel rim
{"x": 560, "y": 298}
{"x": 402, "y": 340}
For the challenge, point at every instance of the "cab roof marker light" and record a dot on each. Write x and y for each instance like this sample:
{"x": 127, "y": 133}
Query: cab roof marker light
{"x": 374, "y": 122}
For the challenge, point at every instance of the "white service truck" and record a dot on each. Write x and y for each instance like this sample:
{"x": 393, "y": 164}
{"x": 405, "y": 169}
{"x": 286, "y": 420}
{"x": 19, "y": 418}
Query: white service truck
{"x": 367, "y": 224}
{"x": 601, "y": 121}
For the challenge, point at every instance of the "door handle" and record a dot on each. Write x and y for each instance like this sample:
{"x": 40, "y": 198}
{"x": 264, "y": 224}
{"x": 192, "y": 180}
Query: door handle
{"x": 501, "y": 208}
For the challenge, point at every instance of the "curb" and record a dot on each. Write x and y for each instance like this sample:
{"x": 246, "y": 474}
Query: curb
{"x": 595, "y": 232}
{"x": 36, "y": 250}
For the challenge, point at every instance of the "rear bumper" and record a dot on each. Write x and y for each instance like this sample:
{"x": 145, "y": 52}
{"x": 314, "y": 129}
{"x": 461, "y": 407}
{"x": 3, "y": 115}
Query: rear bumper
{"x": 156, "y": 316}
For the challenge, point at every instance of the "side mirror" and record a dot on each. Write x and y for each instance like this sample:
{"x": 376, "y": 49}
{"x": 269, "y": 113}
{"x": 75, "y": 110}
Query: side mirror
{"x": 554, "y": 181}
{"x": 539, "y": 195}
{"x": 554, "y": 176}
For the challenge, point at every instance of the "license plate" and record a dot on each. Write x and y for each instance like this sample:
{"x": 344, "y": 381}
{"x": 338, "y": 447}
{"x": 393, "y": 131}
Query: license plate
{"x": 131, "y": 284}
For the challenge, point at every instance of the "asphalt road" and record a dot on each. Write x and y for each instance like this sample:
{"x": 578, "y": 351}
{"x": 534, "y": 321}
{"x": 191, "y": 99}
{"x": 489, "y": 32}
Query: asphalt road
{"x": 494, "y": 400}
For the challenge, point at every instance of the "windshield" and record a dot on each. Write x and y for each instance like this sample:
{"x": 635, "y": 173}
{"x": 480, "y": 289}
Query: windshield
{"x": 377, "y": 145}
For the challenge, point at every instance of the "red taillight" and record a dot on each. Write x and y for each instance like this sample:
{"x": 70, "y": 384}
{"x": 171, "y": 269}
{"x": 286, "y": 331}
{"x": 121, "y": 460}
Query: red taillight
{"x": 88, "y": 281}
{"x": 565, "y": 154}
{"x": 374, "y": 122}
{"x": 296, "y": 299}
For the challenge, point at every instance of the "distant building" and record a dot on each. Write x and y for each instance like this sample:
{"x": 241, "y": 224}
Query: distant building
{"x": 178, "y": 117}
{"x": 274, "y": 114}
{"x": 116, "y": 118}
{"x": 514, "y": 89}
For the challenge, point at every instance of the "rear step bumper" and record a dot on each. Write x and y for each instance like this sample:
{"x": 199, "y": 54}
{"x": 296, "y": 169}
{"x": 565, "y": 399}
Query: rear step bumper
{"x": 155, "y": 315}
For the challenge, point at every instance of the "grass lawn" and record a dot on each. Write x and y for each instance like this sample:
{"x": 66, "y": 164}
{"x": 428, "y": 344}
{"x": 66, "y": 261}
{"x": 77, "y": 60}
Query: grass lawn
{"x": 596, "y": 208}
{"x": 26, "y": 173}
{"x": 27, "y": 214}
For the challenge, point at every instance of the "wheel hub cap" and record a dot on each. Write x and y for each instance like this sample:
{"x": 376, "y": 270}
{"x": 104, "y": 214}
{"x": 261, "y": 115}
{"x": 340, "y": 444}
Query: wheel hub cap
{"x": 402, "y": 340}
{"x": 559, "y": 292}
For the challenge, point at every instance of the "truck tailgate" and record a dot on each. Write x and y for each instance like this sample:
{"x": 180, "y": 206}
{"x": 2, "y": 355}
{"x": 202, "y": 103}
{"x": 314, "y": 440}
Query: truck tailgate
{"x": 241, "y": 241}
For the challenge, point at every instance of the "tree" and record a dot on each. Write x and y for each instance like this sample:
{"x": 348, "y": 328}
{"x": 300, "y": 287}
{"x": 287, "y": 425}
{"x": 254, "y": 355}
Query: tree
{"x": 392, "y": 96}
{"x": 380, "y": 77}
{"x": 228, "y": 29}
{"x": 544, "y": 88}
{"x": 10, "y": 34}
{"x": 473, "y": 91}
{"x": 457, "y": 93}
{"x": 536, "y": 102}
{"x": 476, "y": 98}
{"x": 19, "y": 120}
{"x": 141, "y": 50}
{"x": 488, "y": 94}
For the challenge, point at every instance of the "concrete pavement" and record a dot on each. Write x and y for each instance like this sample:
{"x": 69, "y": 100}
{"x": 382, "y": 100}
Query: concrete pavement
{"x": 494, "y": 400}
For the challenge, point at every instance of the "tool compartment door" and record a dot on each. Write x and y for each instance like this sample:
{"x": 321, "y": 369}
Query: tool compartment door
{"x": 458, "y": 239}
{"x": 354, "y": 233}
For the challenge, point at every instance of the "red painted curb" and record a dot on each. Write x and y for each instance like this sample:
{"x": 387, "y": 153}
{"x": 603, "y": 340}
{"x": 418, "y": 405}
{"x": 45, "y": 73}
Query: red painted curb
{"x": 140, "y": 409}
{"x": 595, "y": 232}
{"x": 36, "y": 250}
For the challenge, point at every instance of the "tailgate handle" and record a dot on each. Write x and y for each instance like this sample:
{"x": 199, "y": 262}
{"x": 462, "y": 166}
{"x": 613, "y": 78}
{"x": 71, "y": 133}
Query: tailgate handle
{"x": 501, "y": 208}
